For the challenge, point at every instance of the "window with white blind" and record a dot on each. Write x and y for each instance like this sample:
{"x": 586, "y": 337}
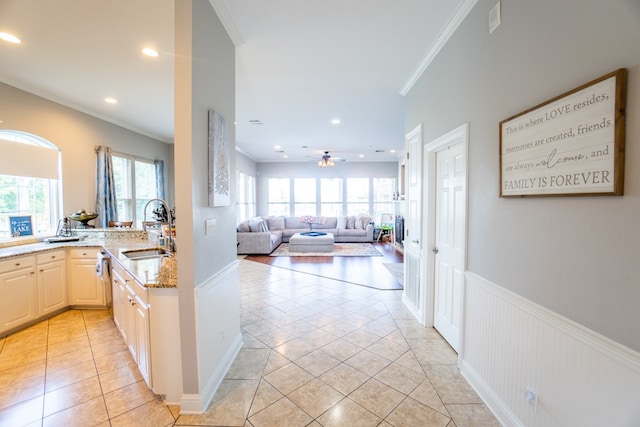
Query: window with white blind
{"x": 30, "y": 184}
{"x": 278, "y": 196}
{"x": 136, "y": 184}
{"x": 304, "y": 191}
{"x": 357, "y": 196}
{"x": 383, "y": 189}
{"x": 246, "y": 200}
{"x": 331, "y": 197}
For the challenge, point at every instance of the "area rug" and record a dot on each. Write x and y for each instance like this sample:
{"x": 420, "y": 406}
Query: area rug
{"x": 339, "y": 249}
{"x": 397, "y": 270}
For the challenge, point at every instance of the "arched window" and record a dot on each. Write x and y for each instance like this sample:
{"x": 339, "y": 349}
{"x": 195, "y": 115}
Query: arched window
{"x": 30, "y": 184}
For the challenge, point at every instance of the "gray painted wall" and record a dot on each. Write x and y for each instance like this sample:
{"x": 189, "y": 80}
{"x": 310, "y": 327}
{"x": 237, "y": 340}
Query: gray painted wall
{"x": 577, "y": 256}
{"x": 312, "y": 170}
{"x": 76, "y": 134}
{"x": 204, "y": 79}
{"x": 245, "y": 165}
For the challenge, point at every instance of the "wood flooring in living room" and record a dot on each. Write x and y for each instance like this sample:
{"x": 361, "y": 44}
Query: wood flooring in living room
{"x": 367, "y": 271}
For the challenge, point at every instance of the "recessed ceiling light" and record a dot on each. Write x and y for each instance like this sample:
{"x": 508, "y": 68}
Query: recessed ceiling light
{"x": 361, "y": 155}
{"x": 285, "y": 157}
{"x": 150, "y": 52}
{"x": 277, "y": 147}
{"x": 110, "y": 100}
{"x": 335, "y": 121}
{"x": 392, "y": 151}
{"x": 9, "y": 38}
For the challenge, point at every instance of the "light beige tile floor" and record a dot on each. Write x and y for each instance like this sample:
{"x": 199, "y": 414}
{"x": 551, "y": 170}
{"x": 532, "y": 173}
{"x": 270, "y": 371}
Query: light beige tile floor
{"x": 316, "y": 352}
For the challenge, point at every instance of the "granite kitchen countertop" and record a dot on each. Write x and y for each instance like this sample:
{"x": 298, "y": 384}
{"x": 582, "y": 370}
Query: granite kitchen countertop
{"x": 152, "y": 273}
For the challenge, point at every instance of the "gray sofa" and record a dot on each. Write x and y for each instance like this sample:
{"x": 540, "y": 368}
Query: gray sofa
{"x": 262, "y": 235}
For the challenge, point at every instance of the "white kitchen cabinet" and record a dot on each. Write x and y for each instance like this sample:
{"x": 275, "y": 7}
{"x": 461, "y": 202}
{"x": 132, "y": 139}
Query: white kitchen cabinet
{"x": 85, "y": 288}
{"x": 142, "y": 345}
{"x": 18, "y": 292}
{"x": 51, "y": 282}
{"x": 131, "y": 315}
{"x": 119, "y": 299}
{"x": 148, "y": 320}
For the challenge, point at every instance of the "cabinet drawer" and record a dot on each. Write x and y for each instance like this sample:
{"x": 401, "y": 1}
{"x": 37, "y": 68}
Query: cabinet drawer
{"x": 85, "y": 253}
{"x": 117, "y": 268}
{"x": 17, "y": 263}
{"x": 50, "y": 256}
{"x": 136, "y": 288}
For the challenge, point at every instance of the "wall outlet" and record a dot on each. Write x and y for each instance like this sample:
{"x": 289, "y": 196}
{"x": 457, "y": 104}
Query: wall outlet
{"x": 210, "y": 226}
{"x": 532, "y": 399}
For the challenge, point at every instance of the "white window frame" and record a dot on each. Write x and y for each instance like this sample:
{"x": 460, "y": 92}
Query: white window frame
{"x": 45, "y": 222}
{"x": 135, "y": 216}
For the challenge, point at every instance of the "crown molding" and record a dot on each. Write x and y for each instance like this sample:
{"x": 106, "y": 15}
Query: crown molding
{"x": 220, "y": 8}
{"x": 461, "y": 12}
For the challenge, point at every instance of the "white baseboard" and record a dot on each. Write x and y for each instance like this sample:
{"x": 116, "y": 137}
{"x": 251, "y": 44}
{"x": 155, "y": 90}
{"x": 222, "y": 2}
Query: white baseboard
{"x": 219, "y": 339}
{"x": 191, "y": 404}
{"x": 580, "y": 377}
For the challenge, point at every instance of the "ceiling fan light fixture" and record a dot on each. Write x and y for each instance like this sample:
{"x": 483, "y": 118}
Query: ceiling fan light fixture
{"x": 326, "y": 161}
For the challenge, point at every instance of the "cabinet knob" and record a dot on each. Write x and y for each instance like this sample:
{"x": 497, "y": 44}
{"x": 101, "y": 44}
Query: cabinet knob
{"x": 17, "y": 264}
{"x": 42, "y": 270}
{"x": 53, "y": 257}
{"x": 33, "y": 272}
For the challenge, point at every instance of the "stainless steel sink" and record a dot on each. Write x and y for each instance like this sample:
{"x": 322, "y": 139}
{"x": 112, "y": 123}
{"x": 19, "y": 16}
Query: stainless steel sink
{"x": 137, "y": 254}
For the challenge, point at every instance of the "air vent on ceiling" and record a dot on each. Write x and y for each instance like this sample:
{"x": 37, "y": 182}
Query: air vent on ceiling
{"x": 255, "y": 122}
{"x": 379, "y": 151}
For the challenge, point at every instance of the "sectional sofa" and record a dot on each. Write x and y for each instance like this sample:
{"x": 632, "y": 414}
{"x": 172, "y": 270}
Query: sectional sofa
{"x": 262, "y": 235}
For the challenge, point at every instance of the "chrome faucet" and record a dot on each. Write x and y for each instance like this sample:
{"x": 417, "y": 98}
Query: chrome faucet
{"x": 166, "y": 206}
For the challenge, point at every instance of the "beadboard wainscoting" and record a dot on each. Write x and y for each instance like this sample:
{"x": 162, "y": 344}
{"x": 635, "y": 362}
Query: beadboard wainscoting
{"x": 219, "y": 336}
{"x": 580, "y": 378}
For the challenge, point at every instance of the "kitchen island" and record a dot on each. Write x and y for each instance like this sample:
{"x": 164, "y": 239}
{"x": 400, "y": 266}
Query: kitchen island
{"x": 39, "y": 280}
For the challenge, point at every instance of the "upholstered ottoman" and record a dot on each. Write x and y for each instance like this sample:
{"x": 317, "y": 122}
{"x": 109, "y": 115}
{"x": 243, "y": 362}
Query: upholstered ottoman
{"x": 311, "y": 242}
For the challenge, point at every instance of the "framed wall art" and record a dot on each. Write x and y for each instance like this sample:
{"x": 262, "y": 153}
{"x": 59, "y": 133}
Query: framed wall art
{"x": 219, "y": 161}
{"x": 571, "y": 145}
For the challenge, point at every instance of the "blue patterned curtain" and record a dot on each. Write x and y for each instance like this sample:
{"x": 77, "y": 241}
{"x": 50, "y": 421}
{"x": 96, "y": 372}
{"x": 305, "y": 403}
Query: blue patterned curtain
{"x": 159, "y": 178}
{"x": 106, "y": 205}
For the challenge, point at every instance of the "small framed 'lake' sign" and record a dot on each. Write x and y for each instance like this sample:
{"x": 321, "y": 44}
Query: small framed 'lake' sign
{"x": 571, "y": 145}
{"x": 20, "y": 226}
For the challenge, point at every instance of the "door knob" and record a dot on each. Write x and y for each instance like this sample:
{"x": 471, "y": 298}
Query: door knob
{"x": 435, "y": 250}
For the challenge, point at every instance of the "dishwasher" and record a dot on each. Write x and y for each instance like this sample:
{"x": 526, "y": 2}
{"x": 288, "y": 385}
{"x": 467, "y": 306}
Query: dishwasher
{"x": 103, "y": 271}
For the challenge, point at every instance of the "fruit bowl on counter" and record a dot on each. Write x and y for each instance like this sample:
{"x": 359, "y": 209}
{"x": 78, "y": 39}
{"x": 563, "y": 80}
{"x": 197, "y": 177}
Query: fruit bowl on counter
{"x": 83, "y": 217}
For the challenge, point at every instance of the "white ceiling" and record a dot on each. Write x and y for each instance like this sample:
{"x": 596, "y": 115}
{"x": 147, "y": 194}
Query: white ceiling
{"x": 299, "y": 64}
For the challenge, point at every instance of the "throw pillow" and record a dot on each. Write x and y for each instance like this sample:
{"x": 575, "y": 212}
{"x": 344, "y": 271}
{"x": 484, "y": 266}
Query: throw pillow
{"x": 362, "y": 221}
{"x": 351, "y": 222}
{"x": 257, "y": 225}
{"x": 342, "y": 223}
{"x": 243, "y": 227}
{"x": 275, "y": 223}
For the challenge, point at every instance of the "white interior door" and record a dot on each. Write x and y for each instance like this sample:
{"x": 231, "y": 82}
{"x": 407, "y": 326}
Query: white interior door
{"x": 449, "y": 242}
{"x": 445, "y": 183}
{"x": 413, "y": 259}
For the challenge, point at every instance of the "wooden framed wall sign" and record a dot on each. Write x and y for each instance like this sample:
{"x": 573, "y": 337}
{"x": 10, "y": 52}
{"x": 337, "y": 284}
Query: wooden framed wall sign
{"x": 571, "y": 145}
